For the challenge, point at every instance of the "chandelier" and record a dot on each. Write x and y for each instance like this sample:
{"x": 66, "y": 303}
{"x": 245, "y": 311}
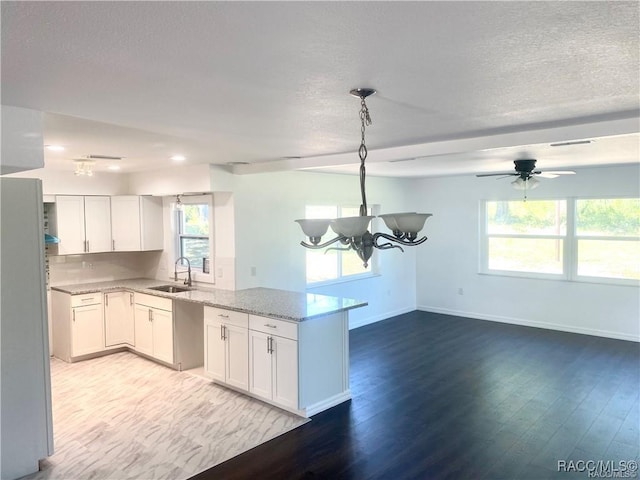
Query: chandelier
{"x": 84, "y": 167}
{"x": 353, "y": 232}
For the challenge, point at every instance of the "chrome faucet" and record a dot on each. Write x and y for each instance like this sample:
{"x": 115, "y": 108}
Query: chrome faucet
{"x": 187, "y": 281}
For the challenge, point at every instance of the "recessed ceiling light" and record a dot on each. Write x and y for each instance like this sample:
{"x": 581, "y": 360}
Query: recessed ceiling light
{"x": 113, "y": 167}
{"x": 54, "y": 148}
{"x": 178, "y": 158}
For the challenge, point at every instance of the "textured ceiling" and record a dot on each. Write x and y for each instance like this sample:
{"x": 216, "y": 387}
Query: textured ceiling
{"x": 261, "y": 81}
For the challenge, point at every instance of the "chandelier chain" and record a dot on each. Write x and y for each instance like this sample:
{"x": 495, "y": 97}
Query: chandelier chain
{"x": 365, "y": 119}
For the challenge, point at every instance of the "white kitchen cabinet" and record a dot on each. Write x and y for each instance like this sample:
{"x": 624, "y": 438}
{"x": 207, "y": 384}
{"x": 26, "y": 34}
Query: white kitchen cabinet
{"x": 78, "y": 325}
{"x": 136, "y": 223}
{"x": 226, "y": 355}
{"x": 273, "y": 361}
{"x": 86, "y": 330}
{"x": 143, "y": 342}
{"x": 83, "y": 224}
{"x": 118, "y": 318}
{"x": 154, "y": 332}
{"x": 162, "y": 321}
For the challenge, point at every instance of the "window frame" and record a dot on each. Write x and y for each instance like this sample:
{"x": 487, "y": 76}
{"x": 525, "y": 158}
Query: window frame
{"x": 197, "y": 274}
{"x": 570, "y": 251}
{"x": 373, "y": 261}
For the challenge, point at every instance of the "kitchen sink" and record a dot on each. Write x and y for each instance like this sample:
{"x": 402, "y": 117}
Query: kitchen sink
{"x": 170, "y": 289}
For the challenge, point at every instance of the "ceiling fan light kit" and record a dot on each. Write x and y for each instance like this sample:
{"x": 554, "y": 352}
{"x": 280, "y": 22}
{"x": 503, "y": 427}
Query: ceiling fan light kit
{"x": 353, "y": 232}
{"x": 524, "y": 170}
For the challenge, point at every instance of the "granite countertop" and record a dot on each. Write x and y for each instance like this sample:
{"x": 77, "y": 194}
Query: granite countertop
{"x": 270, "y": 302}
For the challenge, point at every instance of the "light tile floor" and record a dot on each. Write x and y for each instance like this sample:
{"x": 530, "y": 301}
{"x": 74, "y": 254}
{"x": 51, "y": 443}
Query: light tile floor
{"x": 125, "y": 417}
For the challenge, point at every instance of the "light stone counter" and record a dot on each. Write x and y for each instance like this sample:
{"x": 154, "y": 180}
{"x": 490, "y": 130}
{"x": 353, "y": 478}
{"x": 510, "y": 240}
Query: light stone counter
{"x": 269, "y": 302}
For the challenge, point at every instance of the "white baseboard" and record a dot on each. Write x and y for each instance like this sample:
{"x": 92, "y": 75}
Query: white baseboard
{"x": 327, "y": 403}
{"x": 366, "y": 321}
{"x": 531, "y": 323}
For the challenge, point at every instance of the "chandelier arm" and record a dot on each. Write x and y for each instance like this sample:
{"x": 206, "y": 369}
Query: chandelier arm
{"x": 339, "y": 249}
{"x": 387, "y": 246}
{"x": 341, "y": 238}
{"x": 401, "y": 241}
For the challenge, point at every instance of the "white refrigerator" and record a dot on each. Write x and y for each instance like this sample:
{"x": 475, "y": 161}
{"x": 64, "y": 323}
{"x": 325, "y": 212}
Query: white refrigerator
{"x": 25, "y": 396}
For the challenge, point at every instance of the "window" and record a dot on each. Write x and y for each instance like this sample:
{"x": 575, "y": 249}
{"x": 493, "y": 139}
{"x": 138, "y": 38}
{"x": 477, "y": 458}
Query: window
{"x": 331, "y": 265}
{"x": 193, "y": 234}
{"x": 608, "y": 238}
{"x": 573, "y": 239}
{"x": 526, "y": 236}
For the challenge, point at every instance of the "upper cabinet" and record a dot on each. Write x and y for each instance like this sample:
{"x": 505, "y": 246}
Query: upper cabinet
{"x": 83, "y": 224}
{"x": 94, "y": 224}
{"x": 136, "y": 223}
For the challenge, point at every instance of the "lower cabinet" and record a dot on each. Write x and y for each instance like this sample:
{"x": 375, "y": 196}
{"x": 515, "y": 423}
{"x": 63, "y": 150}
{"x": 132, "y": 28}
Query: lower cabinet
{"x": 118, "y": 318}
{"x": 273, "y": 368}
{"x": 86, "y": 330}
{"x": 226, "y": 356}
{"x": 153, "y": 327}
{"x": 77, "y": 324}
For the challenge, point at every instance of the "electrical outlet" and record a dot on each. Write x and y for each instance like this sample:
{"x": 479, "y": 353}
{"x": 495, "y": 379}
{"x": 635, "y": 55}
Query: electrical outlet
{"x": 219, "y": 272}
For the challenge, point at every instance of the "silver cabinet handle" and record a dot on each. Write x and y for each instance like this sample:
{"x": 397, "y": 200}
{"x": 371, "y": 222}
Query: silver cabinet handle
{"x": 270, "y": 326}
{"x": 113, "y": 244}
{"x": 130, "y": 298}
{"x": 223, "y": 315}
{"x": 74, "y": 315}
{"x": 85, "y": 246}
{"x": 106, "y": 299}
{"x": 268, "y": 344}
{"x": 90, "y": 299}
{"x": 150, "y": 315}
{"x": 221, "y": 332}
{"x": 88, "y": 248}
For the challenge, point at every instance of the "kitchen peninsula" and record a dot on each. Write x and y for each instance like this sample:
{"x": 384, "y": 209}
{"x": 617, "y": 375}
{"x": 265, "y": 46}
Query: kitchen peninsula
{"x": 290, "y": 349}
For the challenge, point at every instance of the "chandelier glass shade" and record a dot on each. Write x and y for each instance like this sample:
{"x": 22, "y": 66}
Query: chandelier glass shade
{"x": 353, "y": 232}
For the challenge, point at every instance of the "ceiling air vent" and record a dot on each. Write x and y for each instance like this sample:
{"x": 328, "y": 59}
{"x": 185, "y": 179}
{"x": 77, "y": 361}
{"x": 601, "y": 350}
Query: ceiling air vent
{"x": 103, "y": 157}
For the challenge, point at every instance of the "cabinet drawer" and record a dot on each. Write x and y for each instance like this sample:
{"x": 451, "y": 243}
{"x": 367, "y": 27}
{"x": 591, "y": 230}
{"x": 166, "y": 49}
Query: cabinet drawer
{"x": 154, "y": 302}
{"x": 230, "y": 317}
{"x": 86, "y": 299}
{"x": 273, "y": 326}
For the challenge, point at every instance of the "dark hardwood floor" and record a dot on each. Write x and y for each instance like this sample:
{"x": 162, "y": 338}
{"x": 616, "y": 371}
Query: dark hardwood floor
{"x": 439, "y": 397}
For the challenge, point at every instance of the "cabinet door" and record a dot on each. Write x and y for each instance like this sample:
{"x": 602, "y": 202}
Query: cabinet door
{"x": 151, "y": 225}
{"x": 125, "y": 223}
{"x": 259, "y": 364}
{"x": 70, "y": 224}
{"x": 118, "y": 318}
{"x": 162, "y": 335}
{"x": 97, "y": 218}
{"x": 237, "y": 358}
{"x": 143, "y": 329}
{"x": 87, "y": 335}
{"x": 214, "y": 350}
{"x": 285, "y": 371}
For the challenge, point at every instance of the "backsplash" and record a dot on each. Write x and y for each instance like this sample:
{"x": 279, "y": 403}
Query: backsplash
{"x": 99, "y": 267}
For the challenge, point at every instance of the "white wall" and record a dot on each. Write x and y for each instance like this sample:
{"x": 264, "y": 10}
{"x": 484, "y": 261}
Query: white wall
{"x": 170, "y": 181}
{"x": 451, "y": 259}
{"x": 267, "y": 238}
{"x": 21, "y": 139}
{"x": 59, "y": 182}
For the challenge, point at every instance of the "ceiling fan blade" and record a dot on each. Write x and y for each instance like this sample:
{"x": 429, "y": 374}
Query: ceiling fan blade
{"x": 495, "y": 174}
{"x": 560, "y": 172}
{"x": 547, "y": 175}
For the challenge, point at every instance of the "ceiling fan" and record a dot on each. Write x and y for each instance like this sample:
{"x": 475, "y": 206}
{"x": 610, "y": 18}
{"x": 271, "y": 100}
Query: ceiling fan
{"x": 526, "y": 173}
